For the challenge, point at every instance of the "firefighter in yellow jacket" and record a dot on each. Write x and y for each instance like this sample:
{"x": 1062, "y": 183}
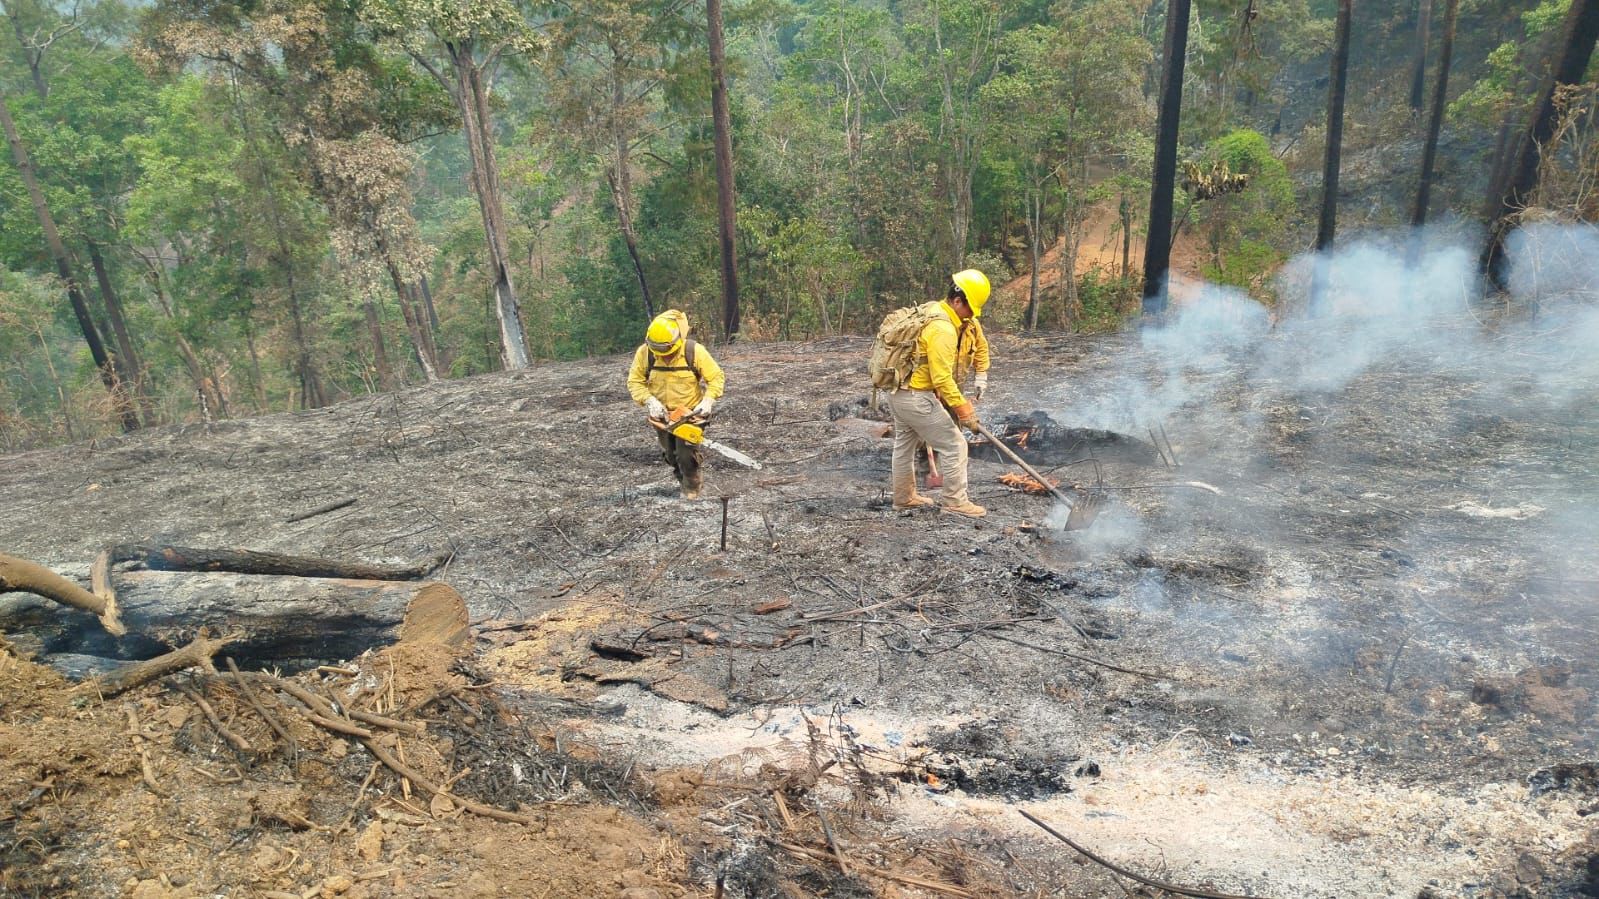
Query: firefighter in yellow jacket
{"x": 919, "y": 408}
{"x": 672, "y": 378}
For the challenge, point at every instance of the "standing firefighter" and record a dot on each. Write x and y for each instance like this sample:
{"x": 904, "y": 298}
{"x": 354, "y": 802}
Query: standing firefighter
{"x": 676, "y": 379}
{"x": 915, "y": 358}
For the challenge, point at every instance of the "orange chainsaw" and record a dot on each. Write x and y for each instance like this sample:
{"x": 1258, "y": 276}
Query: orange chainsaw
{"x": 682, "y": 426}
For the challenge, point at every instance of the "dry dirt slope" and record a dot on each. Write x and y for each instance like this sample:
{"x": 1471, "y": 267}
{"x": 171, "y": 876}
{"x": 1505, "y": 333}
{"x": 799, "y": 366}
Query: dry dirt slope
{"x": 1361, "y": 652}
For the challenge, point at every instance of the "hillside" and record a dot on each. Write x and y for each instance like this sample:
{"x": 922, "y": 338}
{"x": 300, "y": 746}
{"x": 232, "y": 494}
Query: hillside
{"x": 1365, "y": 669}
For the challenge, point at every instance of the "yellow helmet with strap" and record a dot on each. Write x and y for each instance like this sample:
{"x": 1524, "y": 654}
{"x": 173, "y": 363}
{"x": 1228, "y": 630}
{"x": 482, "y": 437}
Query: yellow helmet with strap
{"x": 664, "y": 337}
{"x": 974, "y": 285}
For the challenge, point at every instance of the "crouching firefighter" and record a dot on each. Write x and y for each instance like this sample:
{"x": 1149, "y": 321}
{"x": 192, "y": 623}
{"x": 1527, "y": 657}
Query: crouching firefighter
{"x": 675, "y": 380}
{"x": 914, "y": 357}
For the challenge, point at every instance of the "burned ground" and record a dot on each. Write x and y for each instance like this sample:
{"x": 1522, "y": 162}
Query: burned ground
{"x": 1367, "y": 668}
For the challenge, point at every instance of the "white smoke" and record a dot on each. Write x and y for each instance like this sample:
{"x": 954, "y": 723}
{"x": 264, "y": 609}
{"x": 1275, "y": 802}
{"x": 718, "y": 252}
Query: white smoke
{"x": 1384, "y": 305}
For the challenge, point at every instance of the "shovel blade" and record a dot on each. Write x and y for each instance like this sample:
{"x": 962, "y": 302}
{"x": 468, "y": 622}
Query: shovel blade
{"x": 1084, "y": 512}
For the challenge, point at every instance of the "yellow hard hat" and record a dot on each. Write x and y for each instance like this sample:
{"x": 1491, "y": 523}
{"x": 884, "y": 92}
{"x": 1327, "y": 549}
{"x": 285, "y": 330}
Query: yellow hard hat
{"x": 974, "y": 284}
{"x": 663, "y": 337}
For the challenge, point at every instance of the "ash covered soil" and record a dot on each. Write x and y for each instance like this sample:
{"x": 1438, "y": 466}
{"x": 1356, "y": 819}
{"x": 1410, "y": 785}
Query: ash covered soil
{"x": 1367, "y": 668}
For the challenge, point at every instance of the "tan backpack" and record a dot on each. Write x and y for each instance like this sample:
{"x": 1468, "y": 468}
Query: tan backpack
{"x": 894, "y": 352}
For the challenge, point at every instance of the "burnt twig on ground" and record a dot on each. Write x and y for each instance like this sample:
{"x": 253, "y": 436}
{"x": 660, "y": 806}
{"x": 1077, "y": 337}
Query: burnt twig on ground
{"x": 1152, "y": 675}
{"x": 934, "y": 886}
{"x": 1146, "y": 881}
{"x": 237, "y": 742}
{"x": 255, "y": 703}
{"x": 321, "y": 510}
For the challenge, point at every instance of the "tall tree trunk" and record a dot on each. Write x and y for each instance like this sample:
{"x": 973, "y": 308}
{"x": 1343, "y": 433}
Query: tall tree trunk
{"x": 312, "y": 395}
{"x": 34, "y": 55}
{"x": 52, "y": 238}
{"x": 961, "y": 149}
{"x": 1071, "y": 240}
{"x": 441, "y": 353}
{"x": 472, "y": 100}
{"x": 380, "y": 349}
{"x": 1126, "y": 213}
{"x": 416, "y": 324}
{"x": 1327, "y": 228}
{"x": 1034, "y": 225}
{"x": 128, "y": 362}
{"x": 1331, "y": 158}
{"x": 1418, "y": 67}
{"x": 1157, "y": 247}
{"x": 207, "y": 392}
{"x": 620, "y": 177}
{"x": 1435, "y": 121}
{"x": 1522, "y": 171}
{"x": 725, "y": 209}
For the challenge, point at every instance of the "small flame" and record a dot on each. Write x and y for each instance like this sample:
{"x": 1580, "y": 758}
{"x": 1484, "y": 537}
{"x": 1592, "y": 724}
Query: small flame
{"x": 1026, "y": 484}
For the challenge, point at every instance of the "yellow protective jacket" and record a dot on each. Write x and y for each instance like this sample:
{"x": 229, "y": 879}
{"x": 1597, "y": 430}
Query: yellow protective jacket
{"x": 971, "y": 355}
{"x": 936, "y": 345}
{"x": 669, "y": 380}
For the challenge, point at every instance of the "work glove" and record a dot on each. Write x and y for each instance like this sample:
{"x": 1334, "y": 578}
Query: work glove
{"x": 979, "y": 385}
{"x": 656, "y": 408}
{"x": 705, "y": 406}
{"x": 966, "y": 414}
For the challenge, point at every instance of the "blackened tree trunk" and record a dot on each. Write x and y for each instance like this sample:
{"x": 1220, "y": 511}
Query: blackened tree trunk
{"x": 1435, "y": 121}
{"x": 1521, "y": 172}
{"x": 1157, "y": 248}
{"x": 1328, "y": 226}
{"x": 471, "y": 97}
{"x": 725, "y": 210}
{"x": 1418, "y": 68}
{"x": 58, "y": 251}
{"x": 129, "y": 365}
{"x": 1335, "y": 128}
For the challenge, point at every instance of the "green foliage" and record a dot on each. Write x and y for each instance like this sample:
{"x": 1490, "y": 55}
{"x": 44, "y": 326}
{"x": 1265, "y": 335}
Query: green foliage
{"x": 1506, "y": 81}
{"x": 250, "y": 168}
{"x": 1244, "y": 232}
{"x": 1107, "y": 300}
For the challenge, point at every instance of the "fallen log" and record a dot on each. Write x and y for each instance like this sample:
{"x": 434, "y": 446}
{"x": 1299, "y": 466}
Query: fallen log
{"x": 157, "y": 557}
{"x": 291, "y": 622}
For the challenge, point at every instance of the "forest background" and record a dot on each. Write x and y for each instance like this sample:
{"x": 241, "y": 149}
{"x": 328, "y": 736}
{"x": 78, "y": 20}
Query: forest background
{"x": 215, "y": 208}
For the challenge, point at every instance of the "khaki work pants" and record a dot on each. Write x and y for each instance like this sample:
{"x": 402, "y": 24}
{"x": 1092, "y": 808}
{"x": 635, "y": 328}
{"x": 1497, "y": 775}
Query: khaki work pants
{"x": 920, "y": 418}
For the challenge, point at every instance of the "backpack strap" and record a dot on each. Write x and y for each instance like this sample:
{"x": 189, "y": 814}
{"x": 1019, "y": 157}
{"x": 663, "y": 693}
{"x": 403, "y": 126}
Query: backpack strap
{"x": 688, "y": 357}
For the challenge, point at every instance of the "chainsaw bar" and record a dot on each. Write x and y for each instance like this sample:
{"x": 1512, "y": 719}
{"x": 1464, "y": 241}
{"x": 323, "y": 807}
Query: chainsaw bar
{"x": 730, "y": 453}
{"x": 695, "y": 434}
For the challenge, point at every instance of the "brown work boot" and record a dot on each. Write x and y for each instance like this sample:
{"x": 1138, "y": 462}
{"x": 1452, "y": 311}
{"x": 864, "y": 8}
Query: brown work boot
{"x": 967, "y": 508}
{"x": 906, "y": 497}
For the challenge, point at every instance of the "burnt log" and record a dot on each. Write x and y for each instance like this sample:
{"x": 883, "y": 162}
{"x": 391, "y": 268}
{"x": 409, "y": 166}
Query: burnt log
{"x": 289, "y": 622}
{"x": 186, "y": 558}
